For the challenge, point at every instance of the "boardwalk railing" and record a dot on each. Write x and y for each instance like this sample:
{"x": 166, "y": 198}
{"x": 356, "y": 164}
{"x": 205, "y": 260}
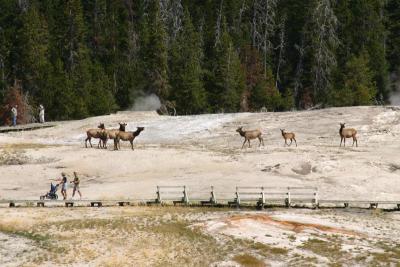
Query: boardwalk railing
{"x": 264, "y": 195}
{"x": 176, "y": 194}
{"x": 259, "y": 196}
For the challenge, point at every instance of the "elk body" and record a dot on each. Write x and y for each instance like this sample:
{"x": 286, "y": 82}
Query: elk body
{"x": 287, "y": 136}
{"x": 126, "y": 136}
{"x": 95, "y": 133}
{"x": 112, "y": 133}
{"x": 249, "y": 135}
{"x": 347, "y": 133}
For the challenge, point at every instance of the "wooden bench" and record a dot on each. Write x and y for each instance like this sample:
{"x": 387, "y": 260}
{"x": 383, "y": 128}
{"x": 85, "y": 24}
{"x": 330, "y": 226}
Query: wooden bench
{"x": 248, "y": 194}
{"x": 96, "y": 204}
{"x": 176, "y": 194}
{"x": 263, "y": 195}
{"x": 212, "y": 201}
{"x": 40, "y": 204}
{"x": 123, "y": 203}
{"x": 69, "y": 203}
{"x": 360, "y": 203}
{"x": 302, "y": 195}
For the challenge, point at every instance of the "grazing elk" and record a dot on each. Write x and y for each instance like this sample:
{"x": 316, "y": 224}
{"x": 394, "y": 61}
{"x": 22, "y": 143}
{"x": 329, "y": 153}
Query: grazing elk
{"x": 126, "y": 136}
{"x": 112, "y": 133}
{"x": 347, "y": 133}
{"x": 287, "y": 136}
{"x": 95, "y": 133}
{"x": 248, "y": 135}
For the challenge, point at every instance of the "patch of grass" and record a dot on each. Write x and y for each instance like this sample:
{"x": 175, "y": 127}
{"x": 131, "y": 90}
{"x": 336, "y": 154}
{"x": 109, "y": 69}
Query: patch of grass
{"x": 267, "y": 250}
{"x": 42, "y": 240}
{"x": 330, "y": 249}
{"x": 248, "y": 260}
{"x": 19, "y": 146}
{"x": 292, "y": 238}
{"x": 391, "y": 254}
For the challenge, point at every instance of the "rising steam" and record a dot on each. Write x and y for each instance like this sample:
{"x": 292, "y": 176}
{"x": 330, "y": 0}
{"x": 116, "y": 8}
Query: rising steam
{"x": 147, "y": 103}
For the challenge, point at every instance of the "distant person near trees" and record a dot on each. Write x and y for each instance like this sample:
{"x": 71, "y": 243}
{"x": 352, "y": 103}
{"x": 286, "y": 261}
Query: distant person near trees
{"x": 14, "y": 114}
{"x": 41, "y": 113}
{"x": 76, "y": 183}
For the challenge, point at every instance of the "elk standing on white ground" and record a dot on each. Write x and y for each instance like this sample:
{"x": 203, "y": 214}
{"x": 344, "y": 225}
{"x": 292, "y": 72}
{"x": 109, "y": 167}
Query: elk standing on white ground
{"x": 126, "y": 136}
{"x": 347, "y": 133}
{"x": 287, "y": 136}
{"x": 248, "y": 135}
{"x": 112, "y": 133}
{"x": 95, "y": 133}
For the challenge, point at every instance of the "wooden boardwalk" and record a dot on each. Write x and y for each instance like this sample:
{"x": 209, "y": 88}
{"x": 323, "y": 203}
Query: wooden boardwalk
{"x": 26, "y": 127}
{"x": 259, "y": 197}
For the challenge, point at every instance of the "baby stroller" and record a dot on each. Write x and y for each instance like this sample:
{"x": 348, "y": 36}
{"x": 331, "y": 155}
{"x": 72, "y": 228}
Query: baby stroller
{"x": 52, "y": 194}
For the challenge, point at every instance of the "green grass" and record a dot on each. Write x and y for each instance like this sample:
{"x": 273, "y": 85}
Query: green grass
{"x": 330, "y": 249}
{"x": 248, "y": 260}
{"x": 267, "y": 250}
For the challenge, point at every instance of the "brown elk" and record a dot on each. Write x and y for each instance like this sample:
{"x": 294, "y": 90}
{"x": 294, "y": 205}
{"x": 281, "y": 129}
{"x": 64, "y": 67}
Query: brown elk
{"x": 126, "y": 136}
{"x": 249, "y": 135}
{"x": 95, "y": 133}
{"x": 112, "y": 133}
{"x": 347, "y": 133}
{"x": 287, "y": 136}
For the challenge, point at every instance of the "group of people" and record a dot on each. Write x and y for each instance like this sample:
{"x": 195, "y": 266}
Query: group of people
{"x": 14, "y": 114}
{"x": 63, "y": 182}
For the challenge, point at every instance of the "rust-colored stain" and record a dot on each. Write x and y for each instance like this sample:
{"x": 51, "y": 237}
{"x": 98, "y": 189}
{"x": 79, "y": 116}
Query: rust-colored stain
{"x": 289, "y": 225}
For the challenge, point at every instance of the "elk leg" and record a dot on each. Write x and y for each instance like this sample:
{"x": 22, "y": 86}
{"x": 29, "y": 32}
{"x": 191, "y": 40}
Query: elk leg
{"x": 248, "y": 140}
{"x": 105, "y": 144}
{"x": 244, "y": 143}
{"x": 90, "y": 142}
{"x": 344, "y": 141}
{"x": 341, "y": 139}
{"x": 285, "y": 142}
{"x": 291, "y": 141}
{"x": 295, "y": 141}
{"x": 131, "y": 144}
{"x": 115, "y": 144}
{"x": 261, "y": 141}
{"x": 86, "y": 142}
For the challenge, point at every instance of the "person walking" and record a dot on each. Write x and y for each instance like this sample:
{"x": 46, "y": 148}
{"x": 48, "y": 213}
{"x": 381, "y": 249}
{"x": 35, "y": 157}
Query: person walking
{"x": 41, "y": 113}
{"x": 14, "y": 114}
{"x": 76, "y": 183}
{"x": 63, "y": 184}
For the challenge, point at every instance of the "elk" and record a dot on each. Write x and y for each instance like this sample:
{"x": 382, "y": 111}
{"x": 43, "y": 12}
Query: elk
{"x": 287, "y": 136}
{"x": 347, "y": 133}
{"x": 249, "y": 135}
{"x": 126, "y": 136}
{"x": 95, "y": 133}
{"x": 112, "y": 133}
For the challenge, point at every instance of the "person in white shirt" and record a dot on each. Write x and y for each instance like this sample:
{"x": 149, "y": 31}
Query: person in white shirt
{"x": 14, "y": 114}
{"x": 41, "y": 113}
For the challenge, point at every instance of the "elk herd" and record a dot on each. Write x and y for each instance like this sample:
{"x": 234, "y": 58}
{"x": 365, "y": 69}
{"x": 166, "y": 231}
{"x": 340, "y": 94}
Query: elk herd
{"x": 116, "y": 135}
{"x": 121, "y": 134}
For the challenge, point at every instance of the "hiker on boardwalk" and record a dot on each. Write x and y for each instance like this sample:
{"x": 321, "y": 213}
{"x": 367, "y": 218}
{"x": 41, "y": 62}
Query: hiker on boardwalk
{"x": 76, "y": 183}
{"x": 41, "y": 113}
{"x": 14, "y": 114}
{"x": 63, "y": 184}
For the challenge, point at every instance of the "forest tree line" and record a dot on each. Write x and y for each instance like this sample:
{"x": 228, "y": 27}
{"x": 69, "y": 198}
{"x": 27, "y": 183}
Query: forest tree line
{"x": 81, "y": 58}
